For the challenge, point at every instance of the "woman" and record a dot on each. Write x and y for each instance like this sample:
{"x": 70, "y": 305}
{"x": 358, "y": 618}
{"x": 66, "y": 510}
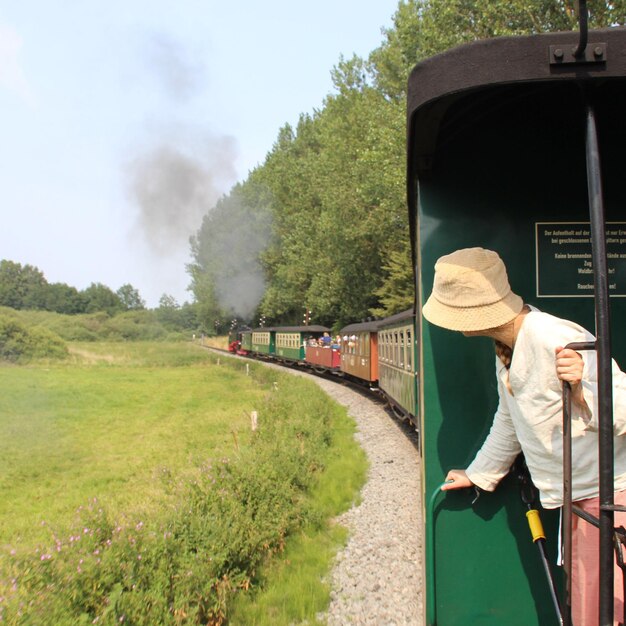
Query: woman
{"x": 471, "y": 294}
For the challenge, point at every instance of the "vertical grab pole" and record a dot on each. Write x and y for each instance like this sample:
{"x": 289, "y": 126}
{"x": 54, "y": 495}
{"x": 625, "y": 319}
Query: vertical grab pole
{"x": 605, "y": 389}
{"x": 566, "y": 519}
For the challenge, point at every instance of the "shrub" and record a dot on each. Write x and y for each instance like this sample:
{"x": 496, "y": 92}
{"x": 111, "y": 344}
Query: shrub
{"x": 133, "y": 326}
{"x": 19, "y": 343}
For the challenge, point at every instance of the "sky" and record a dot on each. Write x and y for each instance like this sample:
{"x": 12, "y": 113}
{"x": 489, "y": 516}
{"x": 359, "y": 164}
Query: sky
{"x": 123, "y": 121}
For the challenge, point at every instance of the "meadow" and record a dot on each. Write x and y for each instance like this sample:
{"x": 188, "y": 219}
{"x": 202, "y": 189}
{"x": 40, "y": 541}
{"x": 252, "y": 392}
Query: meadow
{"x": 134, "y": 489}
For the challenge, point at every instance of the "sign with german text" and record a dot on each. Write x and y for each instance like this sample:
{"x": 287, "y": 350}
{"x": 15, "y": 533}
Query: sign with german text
{"x": 564, "y": 260}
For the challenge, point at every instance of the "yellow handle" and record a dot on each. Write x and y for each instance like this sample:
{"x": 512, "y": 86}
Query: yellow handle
{"x": 535, "y": 525}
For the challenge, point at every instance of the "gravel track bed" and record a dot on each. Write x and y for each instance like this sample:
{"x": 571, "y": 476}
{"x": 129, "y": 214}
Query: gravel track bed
{"x": 377, "y": 577}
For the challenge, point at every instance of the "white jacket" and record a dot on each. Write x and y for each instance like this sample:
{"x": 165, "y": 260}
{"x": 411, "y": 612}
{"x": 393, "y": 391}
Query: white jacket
{"x": 531, "y": 420}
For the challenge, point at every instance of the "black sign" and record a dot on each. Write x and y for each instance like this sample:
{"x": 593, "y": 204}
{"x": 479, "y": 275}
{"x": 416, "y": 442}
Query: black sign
{"x": 564, "y": 263}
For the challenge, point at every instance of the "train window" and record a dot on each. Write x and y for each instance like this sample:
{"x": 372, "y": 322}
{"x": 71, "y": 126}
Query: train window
{"x": 409, "y": 347}
{"x": 366, "y": 344}
{"x": 396, "y": 355}
{"x": 261, "y": 338}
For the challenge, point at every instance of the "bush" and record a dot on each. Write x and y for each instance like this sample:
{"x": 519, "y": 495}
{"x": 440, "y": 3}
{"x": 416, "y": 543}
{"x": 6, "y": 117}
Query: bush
{"x": 133, "y": 326}
{"x": 140, "y": 325}
{"x": 19, "y": 343}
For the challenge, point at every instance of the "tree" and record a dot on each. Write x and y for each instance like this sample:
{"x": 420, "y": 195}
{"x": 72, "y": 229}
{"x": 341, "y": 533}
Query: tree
{"x": 21, "y": 287}
{"x": 168, "y": 311}
{"x": 397, "y": 293}
{"x": 227, "y": 277}
{"x": 99, "y": 297}
{"x": 63, "y": 298}
{"x": 130, "y": 298}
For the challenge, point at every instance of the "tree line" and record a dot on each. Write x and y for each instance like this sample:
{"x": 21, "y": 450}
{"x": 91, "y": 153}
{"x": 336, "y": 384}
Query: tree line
{"x": 91, "y": 314}
{"x": 26, "y": 287}
{"x": 322, "y": 224}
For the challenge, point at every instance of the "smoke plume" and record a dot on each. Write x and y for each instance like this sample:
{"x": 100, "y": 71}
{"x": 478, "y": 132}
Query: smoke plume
{"x": 174, "y": 188}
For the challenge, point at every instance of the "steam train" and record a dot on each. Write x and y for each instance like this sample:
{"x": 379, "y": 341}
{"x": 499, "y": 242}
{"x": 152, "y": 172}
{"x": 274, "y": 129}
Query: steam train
{"x": 514, "y": 144}
{"x": 380, "y": 354}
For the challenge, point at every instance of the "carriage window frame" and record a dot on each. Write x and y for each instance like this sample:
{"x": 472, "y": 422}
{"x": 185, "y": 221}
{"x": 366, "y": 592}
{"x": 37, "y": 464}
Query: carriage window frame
{"x": 261, "y": 338}
{"x": 409, "y": 361}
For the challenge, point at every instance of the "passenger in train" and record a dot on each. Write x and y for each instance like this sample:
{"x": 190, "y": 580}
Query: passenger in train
{"x": 326, "y": 340}
{"x": 471, "y": 294}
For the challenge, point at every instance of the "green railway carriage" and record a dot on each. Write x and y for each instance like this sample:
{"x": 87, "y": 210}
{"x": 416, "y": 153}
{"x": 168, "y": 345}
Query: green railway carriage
{"x": 498, "y": 157}
{"x": 290, "y": 341}
{"x": 263, "y": 341}
{"x": 397, "y": 363}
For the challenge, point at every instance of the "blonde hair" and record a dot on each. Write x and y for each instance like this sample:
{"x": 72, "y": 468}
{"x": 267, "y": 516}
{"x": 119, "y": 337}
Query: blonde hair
{"x": 505, "y": 354}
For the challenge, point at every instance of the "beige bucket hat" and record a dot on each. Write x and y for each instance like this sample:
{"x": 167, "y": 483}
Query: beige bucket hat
{"x": 471, "y": 292}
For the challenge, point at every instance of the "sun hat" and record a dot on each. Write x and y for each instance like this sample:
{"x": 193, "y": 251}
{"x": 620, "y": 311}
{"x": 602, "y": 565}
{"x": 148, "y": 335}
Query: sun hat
{"x": 471, "y": 292}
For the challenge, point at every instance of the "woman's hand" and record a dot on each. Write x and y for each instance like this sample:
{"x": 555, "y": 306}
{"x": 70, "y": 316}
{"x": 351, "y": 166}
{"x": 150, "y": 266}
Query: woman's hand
{"x": 457, "y": 479}
{"x": 569, "y": 365}
{"x": 569, "y": 368}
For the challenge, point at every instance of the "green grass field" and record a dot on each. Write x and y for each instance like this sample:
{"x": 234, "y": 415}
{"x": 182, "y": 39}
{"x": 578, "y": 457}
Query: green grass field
{"x": 185, "y": 516}
{"x": 111, "y": 425}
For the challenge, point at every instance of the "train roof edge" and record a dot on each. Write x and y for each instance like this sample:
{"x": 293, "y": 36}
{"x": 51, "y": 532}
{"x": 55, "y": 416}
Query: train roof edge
{"x": 292, "y": 329}
{"x": 374, "y": 325}
{"x": 509, "y": 60}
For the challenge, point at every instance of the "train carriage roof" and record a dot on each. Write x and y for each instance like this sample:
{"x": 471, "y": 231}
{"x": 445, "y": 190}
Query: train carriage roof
{"x": 294, "y": 329}
{"x": 361, "y": 327}
{"x": 440, "y": 80}
{"x": 397, "y": 318}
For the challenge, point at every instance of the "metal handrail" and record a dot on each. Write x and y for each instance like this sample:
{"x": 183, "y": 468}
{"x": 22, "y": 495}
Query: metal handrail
{"x": 605, "y": 384}
{"x": 566, "y": 606}
{"x": 431, "y": 596}
{"x": 602, "y": 347}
